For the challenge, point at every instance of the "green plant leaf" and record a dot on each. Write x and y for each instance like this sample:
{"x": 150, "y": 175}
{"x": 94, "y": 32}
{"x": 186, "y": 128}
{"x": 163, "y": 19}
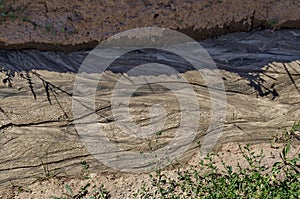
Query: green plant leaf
{"x": 69, "y": 190}
{"x": 286, "y": 149}
{"x": 91, "y": 197}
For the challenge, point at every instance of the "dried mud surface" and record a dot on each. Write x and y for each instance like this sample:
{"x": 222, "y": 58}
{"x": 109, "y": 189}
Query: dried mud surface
{"x": 37, "y": 128}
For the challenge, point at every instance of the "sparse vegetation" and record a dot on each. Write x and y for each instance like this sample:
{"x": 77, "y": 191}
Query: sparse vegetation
{"x": 253, "y": 181}
{"x": 47, "y": 172}
{"x": 86, "y": 192}
{"x": 7, "y": 11}
{"x": 272, "y": 24}
{"x": 2, "y": 11}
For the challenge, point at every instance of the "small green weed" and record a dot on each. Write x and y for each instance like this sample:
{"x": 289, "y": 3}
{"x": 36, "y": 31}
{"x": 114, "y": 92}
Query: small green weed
{"x": 85, "y": 166}
{"x": 83, "y": 193}
{"x": 273, "y": 23}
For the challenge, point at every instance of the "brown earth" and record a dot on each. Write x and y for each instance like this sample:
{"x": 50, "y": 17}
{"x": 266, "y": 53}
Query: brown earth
{"x": 71, "y": 25}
